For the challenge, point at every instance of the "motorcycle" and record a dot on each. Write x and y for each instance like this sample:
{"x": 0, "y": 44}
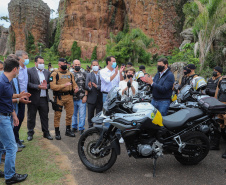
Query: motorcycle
{"x": 146, "y": 134}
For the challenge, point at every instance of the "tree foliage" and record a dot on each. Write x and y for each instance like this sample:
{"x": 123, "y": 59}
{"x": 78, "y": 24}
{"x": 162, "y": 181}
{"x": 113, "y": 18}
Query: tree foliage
{"x": 94, "y": 54}
{"x": 30, "y": 43}
{"x": 130, "y": 47}
{"x": 4, "y": 18}
{"x": 75, "y": 51}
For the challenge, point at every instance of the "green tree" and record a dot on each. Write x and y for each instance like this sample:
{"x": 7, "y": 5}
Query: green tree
{"x": 94, "y": 54}
{"x": 5, "y": 18}
{"x": 130, "y": 47}
{"x": 210, "y": 22}
{"x": 30, "y": 43}
{"x": 75, "y": 51}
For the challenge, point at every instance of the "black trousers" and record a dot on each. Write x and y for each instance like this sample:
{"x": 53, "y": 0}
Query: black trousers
{"x": 43, "y": 108}
{"x": 20, "y": 115}
{"x": 91, "y": 109}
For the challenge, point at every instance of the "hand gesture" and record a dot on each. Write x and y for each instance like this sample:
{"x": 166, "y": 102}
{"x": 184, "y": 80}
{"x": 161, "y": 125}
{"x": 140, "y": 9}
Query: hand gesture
{"x": 76, "y": 90}
{"x": 121, "y": 69}
{"x": 116, "y": 70}
{"x": 84, "y": 99}
{"x": 89, "y": 84}
{"x": 23, "y": 93}
{"x": 148, "y": 79}
{"x": 44, "y": 84}
{"x": 15, "y": 121}
{"x": 24, "y": 100}
{"x": 94, "y": 85}
{"x": 67, "y": 84}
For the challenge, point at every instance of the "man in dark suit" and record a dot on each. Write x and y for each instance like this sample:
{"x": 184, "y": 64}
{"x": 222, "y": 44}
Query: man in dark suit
{"x": 94, "y": 98}
{"x": 38, "y": 85}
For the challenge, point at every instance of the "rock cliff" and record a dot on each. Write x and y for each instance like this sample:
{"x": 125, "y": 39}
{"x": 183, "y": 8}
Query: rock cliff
{"x": 4, "y": 33}
{"x": 90, "y": 23}
{"x": 29, "y": 16}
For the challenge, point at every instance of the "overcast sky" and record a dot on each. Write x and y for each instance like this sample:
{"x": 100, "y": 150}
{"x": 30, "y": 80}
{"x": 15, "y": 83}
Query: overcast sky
{"x": 53, "y": 4}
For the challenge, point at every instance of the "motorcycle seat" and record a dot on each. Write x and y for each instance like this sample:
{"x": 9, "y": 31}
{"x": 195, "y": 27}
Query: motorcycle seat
{"x": 179, "y": 118}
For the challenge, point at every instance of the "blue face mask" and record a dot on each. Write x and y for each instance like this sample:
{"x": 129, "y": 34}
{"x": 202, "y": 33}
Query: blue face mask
{"x": 26, "y": 62}
{"x": 114, "y": 65}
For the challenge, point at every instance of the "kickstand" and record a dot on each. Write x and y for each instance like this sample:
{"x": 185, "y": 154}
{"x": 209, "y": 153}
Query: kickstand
{"x": 154, "y": 166}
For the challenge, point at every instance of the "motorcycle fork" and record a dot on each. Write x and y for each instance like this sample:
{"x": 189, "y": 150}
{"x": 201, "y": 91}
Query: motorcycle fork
{"x": 105, "y": 136}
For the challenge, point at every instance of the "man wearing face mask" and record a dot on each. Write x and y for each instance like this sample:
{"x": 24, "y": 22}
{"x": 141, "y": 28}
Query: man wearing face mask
{"x": 184, "y": 79}
{"x": 23, "y": 82}
{"x": 93, "y": 85}
{"x": 7, "y": 113}
{"x": 38, "y": 85}
{"x": 191, "y": 73}
{"x": 162, "y": 86}
{"x": 212, "y": 82}
{"x": 63, "y": 85}
{"x": 80, "y": 98}
{"x": 1, "y": 67}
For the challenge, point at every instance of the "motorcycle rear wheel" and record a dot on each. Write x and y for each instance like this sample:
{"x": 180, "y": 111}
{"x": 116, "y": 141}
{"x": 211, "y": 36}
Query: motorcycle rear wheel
{"x": 99, "y": 162}
{"x": 200, "y": 150}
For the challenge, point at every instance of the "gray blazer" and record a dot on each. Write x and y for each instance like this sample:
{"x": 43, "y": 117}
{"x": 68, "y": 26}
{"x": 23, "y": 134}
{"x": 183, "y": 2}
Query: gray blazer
{"x": 92, "y": 92}
{"x": 34, "y": 82}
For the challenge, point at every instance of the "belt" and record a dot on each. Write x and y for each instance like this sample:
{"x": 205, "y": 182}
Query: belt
{"x": 6, "y": 114}
{"x": 61, "y": 93}
{"x": 104, "y": 92}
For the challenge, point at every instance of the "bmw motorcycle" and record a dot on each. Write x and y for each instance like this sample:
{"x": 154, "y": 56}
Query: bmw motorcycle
{"x": 146, "y": 133}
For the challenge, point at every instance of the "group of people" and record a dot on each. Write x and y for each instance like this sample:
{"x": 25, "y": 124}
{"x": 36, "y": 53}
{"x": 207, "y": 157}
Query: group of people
{"x": 74, "y": 89}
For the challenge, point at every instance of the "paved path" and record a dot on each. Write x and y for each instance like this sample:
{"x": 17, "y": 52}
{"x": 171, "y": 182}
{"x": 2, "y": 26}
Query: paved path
{"x": 212, "y": 170}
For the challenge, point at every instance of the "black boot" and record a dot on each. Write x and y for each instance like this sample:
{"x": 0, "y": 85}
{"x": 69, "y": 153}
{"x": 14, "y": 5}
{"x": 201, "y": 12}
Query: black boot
{"x": 69, "y": 132}
{"x": 224, "y": 154}
{"x": 215, "y": 141}
{"x": 57, "y": 133}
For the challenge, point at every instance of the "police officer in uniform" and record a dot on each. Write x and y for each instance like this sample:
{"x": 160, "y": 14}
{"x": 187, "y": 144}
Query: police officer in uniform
{"x": 63, "y": 85}
{"x": 221, "y": 96}
{"x": 212, "y": 82}
{"x": 190, "y": 73}
{"x": 184, "y": 79}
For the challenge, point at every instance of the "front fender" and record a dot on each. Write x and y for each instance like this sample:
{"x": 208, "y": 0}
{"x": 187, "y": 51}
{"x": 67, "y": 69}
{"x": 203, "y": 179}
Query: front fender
{"x": 114, "y": 144}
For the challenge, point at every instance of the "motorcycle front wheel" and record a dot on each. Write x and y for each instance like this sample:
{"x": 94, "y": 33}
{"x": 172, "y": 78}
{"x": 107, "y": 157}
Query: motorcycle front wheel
{"x": 95, "y": 161}
{"x": 196, "y": 149}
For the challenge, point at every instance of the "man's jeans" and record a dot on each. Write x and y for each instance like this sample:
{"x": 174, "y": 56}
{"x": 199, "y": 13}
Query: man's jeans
{"x": 81, "y": 108}
{"x": 161, "y": 105}
{"x": 104, "y": 99}
{"x": 8, "y": 141}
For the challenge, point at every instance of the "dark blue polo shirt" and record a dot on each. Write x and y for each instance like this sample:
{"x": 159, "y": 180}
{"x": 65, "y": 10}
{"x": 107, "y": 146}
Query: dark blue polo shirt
{"x": 6, "y": 94}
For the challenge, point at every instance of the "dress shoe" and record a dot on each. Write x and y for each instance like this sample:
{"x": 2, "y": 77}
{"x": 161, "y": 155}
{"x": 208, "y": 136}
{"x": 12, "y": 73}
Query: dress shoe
{"x": 19, "y": 150}
{"x": 57, "y": 135}
{"x": 22, "y": 141}
{"x": 29, "y": 138}
{"x": 69, "y": 133}
{"x": 81, "y": 132}
{"x": 47, "y": 136}
{"x": 20, "y": 145}
{"x": 16, "y": 178}
{"x": 1, "y": 174}
{"x": 74, "y": 130}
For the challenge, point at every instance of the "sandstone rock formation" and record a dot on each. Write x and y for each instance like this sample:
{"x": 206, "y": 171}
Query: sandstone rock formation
{"x": 177, "y": 69}
{"x": 4, "y": 33}
{"x": 29, "y": 16}
{"x": 90, "y": 23}
{"x": 187, "y": 36}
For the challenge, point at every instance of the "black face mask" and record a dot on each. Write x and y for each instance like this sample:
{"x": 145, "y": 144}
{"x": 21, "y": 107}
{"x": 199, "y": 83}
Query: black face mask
{"x": 188, "y": 71}
{"x": 185, "y": 73}
{"x": 214, "y": 73}
{"x": 161, "y": 68}
{"x": 64, "y": 67}
{"x": 77, "y": 68}
{"x": 129, "y": 76}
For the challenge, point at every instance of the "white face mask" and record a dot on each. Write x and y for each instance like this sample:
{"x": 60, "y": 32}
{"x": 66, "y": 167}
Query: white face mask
{"x": 41, "y": 66}
{"x": 95, "y": 68}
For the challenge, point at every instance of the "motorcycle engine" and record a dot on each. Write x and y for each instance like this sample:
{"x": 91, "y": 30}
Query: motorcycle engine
{"x": 145, "y": 150}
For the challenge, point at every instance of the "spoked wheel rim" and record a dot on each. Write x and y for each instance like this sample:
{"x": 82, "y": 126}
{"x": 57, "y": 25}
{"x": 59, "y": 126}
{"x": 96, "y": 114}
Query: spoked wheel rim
{"x": 95, "y": 158}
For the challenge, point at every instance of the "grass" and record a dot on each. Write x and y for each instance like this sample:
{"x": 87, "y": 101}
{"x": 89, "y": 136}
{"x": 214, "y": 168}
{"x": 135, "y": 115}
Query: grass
{"x": 37, "y": 162}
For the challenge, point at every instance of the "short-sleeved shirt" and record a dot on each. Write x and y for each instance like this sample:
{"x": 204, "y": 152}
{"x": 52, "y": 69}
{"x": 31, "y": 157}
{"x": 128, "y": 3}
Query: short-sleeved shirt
{"x": 6, "y": 94}
{"x": 80, "y": 79}
{"x": 106, "y": 83}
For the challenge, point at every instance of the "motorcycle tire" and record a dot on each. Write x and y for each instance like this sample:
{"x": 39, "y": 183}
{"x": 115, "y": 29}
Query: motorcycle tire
{"x": 223, "y": 133}
{"x": 89, "y": 159}
{"x": 201, "y": 150}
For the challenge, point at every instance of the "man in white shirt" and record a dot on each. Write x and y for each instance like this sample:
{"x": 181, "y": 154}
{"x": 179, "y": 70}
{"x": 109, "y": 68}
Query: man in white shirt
{"x": 38, "y": 85}
{"x": 110, "y": 77}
